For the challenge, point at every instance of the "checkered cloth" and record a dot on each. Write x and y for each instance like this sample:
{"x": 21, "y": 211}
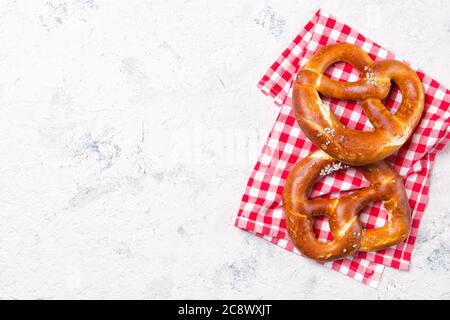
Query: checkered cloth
{"x": 261, "y": 209}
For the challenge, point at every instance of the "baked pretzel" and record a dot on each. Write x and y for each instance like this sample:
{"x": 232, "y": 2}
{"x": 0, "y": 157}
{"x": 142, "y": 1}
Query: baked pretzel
{"x": 345, "y": 144}
{"x": 348, "y": 234}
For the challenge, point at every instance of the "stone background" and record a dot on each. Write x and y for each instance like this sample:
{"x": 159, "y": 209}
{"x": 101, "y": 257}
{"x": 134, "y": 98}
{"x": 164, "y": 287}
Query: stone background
{"x": 128, "y": 131}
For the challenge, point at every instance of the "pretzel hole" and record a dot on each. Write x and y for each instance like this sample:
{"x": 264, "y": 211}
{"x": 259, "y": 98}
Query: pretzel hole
{"x": 349, "y": 113}
{"x": 321, "y": 229}
{"x": 374, "y": 215}
{"x": 394, "y": 98}
{"x": 321, "y": 188}
{"x": 342, "y": 71}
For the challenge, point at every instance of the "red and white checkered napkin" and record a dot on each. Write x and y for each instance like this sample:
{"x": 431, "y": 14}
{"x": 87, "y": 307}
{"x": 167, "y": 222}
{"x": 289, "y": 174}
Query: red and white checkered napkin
{"x": 261, "y": 208}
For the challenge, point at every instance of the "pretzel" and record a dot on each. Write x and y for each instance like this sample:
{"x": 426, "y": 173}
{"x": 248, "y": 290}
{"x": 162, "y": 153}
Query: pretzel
{"x": 348, "y": 234}
{"x": 348, "y": 145}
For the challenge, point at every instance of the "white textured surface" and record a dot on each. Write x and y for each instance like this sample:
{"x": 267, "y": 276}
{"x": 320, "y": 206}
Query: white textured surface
{"x": 119, "y": 177}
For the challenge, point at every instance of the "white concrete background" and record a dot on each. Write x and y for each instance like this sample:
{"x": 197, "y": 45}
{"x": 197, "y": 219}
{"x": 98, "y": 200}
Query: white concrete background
{"x": 127, "y": 133}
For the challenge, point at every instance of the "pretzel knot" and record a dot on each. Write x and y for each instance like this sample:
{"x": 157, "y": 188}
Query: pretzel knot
{"x": 345, "y": 144}
{"x": 348, "y": 234}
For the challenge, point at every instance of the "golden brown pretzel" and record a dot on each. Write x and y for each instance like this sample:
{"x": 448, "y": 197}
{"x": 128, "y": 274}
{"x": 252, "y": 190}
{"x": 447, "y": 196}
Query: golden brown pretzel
{"x": 348, "y": 234}
{"x": 345, "y": 144}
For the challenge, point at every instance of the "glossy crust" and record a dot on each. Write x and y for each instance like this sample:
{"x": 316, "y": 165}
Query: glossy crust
{"x": 345, "y": 144}
{"x": 343, "y": 213}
